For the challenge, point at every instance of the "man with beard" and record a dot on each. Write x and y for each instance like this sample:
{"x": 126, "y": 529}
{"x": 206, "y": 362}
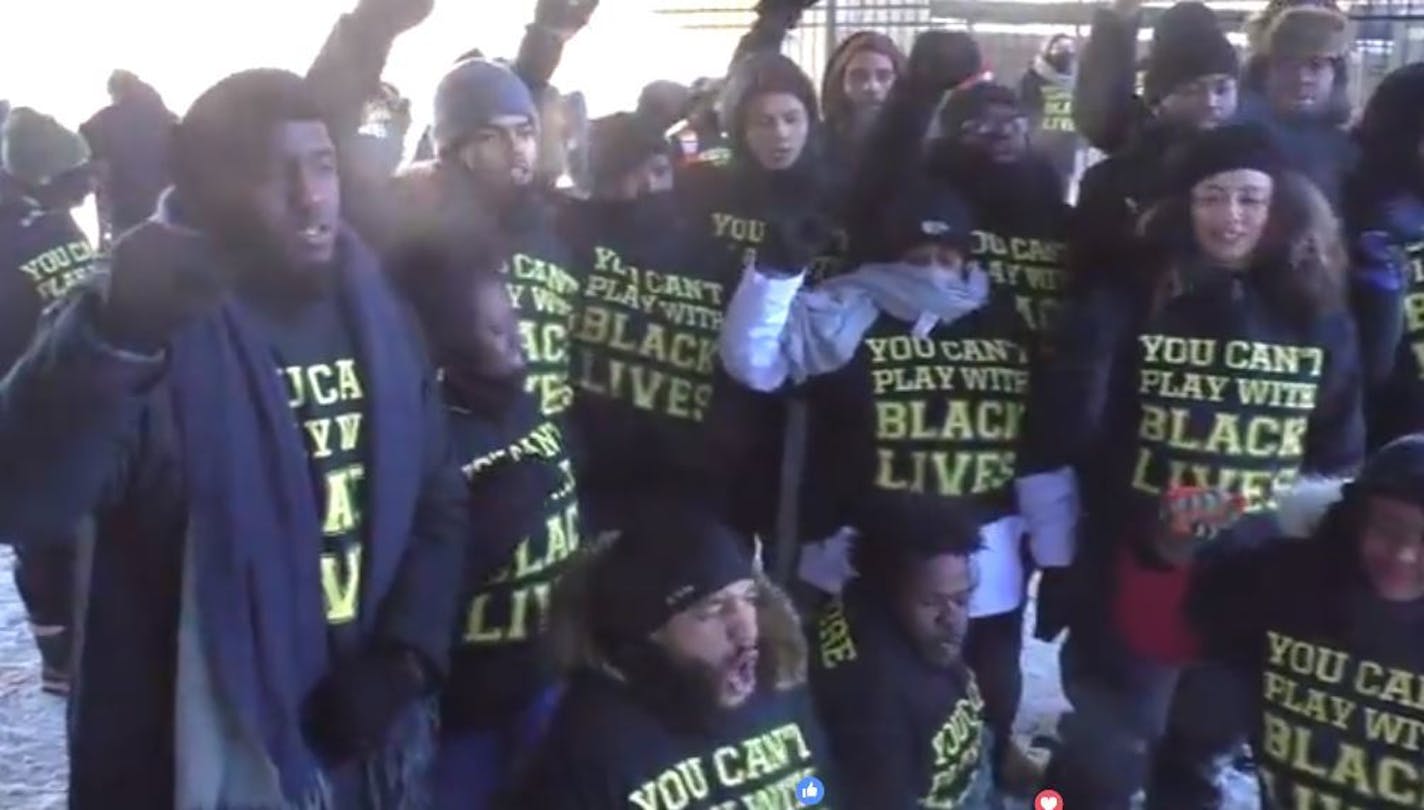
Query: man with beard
{"x": 278, "y": 535}
{"x": 901, "y": 708}
{"x": 501, "y": 689}
{"x": 1046, "y": 92}
{"x": 42, "y": 255}
{"x": 686, "y": 670}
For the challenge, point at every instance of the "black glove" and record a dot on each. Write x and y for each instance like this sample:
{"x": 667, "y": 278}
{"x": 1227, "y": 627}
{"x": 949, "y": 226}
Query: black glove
{"x": 942, "y": 60}
{"x": 392, "y": 17}
{"x": 160, "y": 278}
{"x": 793, "y": 241}
{"x": 786, "y": 13}
{"x": 564, "y": 15}
{"x": 350, "y": 713}
{"x": 507, "y": 504}
{"x": 1057, "y": 601}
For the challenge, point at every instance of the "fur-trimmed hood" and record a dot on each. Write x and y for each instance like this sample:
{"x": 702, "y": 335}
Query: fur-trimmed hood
{"x": 575, "y": 646}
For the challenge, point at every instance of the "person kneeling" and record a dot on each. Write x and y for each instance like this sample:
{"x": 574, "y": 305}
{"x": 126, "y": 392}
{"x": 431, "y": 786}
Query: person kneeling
{"x": 685, "y": 672}
{"x": 902, "y": 710}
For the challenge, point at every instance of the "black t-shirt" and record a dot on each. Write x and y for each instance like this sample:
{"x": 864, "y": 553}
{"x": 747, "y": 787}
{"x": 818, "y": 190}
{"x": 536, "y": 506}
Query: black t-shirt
{"x": 42, "y": 255}
{"x": 606, "y": 750}
{"x": 498, "y": 665}
{"x": 939, "y": 414}
{"x": 545, "y": 292}
{"x": 315, "y": 353}
{"x": 904, "y": 734}
{"x": 1031, "y": 267}
{"x": 1339, "y": 689}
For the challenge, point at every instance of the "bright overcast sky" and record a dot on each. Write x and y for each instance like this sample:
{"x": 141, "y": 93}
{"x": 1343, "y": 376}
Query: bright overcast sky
{"x": 58, "y": 53}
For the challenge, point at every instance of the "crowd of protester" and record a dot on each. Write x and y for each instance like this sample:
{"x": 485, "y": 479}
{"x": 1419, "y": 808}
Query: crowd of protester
{"x": 707, "y": 454}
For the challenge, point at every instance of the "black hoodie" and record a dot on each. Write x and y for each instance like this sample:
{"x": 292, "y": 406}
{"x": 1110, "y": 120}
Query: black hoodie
{"x": 42, "y": 255}
{"x": 497, "y": 666}
{"x": 645, "y": 343}
{"x": 1340, "y": 707}
{"x": 904, "y": 734}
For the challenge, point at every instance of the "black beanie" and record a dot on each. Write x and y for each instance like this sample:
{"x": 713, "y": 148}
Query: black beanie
{"x": 1394, "y": 471}
{"x": 669, "y": 557}
{"x": 1224, "y": 149}
{"x": 1187, "y": 43}
{"x": 968, "y": 102}
{"x": 925, "y": 211}
{"x": 619, "y": 142}
{"x": 471, "y": 95}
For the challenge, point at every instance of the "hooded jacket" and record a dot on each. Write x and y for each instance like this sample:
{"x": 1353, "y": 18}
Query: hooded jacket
{"x": 1047, "y": 97}
{"x": 644, "y": 352}
{"x": 43, "y": 254}
{"x": 130, "y": 138}
{"x": 904, "y": 734}
{"x": 1337, "y": 668}
{"x": 615, "y": 743}
{"x": 844, "y": 146}
{"x": 498, "y": 665}
{"x": 1384, "y": 215}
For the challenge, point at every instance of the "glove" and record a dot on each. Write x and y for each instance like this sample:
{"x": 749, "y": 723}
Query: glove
{"x": 786, "y": 13}
{"x": 1191, "y": 516}
{"x": 792, "y": 242}
{"x": 160, "y": 278}
{"x": 1057, "y": 602}
{"x": 350, "y": 713}
{"x": 506, "y": 502}
{"x": 392, "y": 17}
{"x": 564, "y": 15}
{"x": 942, "y": 60}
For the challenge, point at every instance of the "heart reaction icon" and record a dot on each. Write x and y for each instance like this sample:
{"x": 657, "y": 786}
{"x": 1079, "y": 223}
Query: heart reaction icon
{"x": 1048, "y": 800}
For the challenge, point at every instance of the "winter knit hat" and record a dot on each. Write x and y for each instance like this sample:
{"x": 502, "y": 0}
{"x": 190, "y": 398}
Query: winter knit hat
{"x": 923, "y": 212}
{"x": 1187, "y": 43}
{"x": 1224, "y": 149}
{"x": 967, "y": 103}
{"x": 472, "y": 94}
{"x": 669, "y": 557}
{"x": 35, "y": 148}
{"x": 1308, "y": 32}
{"x": 620, "y": 142}
{"x": 1390, "y": 130}
{"x": 1394, "y": 471}
{"x": 758, "y": 75}
{"x": 833, "y": 83}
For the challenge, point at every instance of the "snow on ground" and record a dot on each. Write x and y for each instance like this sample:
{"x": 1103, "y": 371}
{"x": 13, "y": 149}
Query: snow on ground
{"x": 32, "y": 764}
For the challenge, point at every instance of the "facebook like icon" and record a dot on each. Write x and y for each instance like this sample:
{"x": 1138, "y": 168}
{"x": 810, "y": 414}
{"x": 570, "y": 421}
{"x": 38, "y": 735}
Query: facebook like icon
{"x": 810, "y": 791}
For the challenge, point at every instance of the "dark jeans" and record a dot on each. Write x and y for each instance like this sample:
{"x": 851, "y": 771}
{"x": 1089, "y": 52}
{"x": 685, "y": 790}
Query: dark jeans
{"x": 1137, "y": 723}
{"x": 44, "y": 576}
{"x": 994, "y": 651}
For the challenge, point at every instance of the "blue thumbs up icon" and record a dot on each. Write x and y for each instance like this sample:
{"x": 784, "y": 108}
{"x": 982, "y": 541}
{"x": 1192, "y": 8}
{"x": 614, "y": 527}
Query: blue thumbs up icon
{"x": 810, "y": 792}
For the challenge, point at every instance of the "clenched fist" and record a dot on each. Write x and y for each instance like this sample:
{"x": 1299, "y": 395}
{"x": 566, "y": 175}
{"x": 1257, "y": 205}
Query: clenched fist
{"x": 160, "y": 278}
{"x": 393, "y": 17}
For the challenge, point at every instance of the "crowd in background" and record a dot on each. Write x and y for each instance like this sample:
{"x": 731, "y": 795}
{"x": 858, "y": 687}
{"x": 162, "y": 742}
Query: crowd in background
{"x": 704, "y": 456}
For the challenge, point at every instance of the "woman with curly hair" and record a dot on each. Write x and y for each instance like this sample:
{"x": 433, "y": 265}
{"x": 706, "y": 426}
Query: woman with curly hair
{"x": 1229, "y": 368}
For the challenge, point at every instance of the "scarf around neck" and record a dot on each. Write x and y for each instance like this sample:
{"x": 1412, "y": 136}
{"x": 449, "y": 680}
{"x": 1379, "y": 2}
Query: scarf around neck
{"x": 252, "y": 514}
{"x": 827, "y": 324}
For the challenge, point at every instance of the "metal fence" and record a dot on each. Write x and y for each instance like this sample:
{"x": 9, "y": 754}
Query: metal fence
{"x": 1389, "y": 33}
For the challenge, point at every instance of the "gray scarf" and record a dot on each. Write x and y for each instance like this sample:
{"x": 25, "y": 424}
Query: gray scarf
{"x": 826, "y": 324}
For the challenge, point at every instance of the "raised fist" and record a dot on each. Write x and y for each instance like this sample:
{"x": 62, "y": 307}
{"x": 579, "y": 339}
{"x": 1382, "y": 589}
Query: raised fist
{"x": 393, "y": 17}
{"x": 160, "y": 278}
{"x": 564, "y": 15}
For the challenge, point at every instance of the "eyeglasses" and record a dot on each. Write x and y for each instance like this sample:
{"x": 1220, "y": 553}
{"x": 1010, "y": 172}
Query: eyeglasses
{"x": 999, "y": 125}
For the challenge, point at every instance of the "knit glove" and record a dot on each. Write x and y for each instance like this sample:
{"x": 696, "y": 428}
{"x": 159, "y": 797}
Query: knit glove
{"x": 351, "y": 712}
{"x": 161, "y": 277}
{"x": 793, "y": 241}
{"x": 786, "y": 13}
{"x": 1193, "y": 516}
{"x": 941, "y": 61}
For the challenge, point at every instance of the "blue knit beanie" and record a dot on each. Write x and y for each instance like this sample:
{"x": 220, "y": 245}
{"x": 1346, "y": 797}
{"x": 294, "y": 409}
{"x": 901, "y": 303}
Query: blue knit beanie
{"x": 473, "y": 94}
